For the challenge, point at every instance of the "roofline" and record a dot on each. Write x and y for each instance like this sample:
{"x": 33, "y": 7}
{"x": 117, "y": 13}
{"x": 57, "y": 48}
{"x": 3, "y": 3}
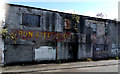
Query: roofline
{"x": 58, "y": 12}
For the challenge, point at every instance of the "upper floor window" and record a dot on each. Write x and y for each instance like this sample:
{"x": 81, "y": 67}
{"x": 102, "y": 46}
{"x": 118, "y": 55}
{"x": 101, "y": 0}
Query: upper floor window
{"x": 67, "y": 24}
{"x": 30, "y": 20}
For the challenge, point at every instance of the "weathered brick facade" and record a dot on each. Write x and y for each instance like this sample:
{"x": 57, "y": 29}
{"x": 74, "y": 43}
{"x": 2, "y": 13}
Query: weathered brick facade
{"x": 40, "y": 34}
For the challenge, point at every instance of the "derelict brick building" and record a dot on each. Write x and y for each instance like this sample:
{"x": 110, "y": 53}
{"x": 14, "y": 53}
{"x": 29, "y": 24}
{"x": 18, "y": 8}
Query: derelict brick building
{"x": 36, "y": 35}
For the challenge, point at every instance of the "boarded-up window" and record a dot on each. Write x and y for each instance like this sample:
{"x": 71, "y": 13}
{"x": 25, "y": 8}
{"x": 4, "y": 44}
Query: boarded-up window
{"x": 31, "y": 20}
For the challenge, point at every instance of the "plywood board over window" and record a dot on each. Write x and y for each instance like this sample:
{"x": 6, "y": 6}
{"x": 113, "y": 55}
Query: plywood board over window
{"x": 30, "y": 20}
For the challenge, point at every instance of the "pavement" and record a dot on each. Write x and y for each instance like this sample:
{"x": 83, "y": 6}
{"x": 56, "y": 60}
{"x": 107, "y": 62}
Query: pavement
{"x": 46, "y": 67}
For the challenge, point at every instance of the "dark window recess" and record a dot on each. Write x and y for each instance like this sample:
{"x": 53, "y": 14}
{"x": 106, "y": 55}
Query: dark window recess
{"x": 67, "y": 24}
{"x": 31, "y": 20}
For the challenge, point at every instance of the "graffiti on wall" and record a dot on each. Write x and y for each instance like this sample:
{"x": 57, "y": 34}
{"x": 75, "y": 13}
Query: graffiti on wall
{"x": 99, "y": 37}
{"x": 114, "y": 48}
{"x": 93, "y": 38}
{"x": 97, "y": 26}
{"x": 92, "y": 24}
{"x": 41, "y": 35}
{"x": 34, "y": 35}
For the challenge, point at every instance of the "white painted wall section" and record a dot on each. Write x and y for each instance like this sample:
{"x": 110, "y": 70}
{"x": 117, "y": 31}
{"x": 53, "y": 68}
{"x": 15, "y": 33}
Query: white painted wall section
{"x": 45, "y": 53}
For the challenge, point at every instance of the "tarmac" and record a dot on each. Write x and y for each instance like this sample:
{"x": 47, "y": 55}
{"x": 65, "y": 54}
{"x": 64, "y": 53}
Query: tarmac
{"x": 54, "y": 66}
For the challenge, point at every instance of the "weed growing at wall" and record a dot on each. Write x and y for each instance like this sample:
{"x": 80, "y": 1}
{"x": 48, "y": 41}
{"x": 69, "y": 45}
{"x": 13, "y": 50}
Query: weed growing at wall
{"x": 4, "y": 33}
{"x": 75, "y": 19}
{"x": 117, "y": 58}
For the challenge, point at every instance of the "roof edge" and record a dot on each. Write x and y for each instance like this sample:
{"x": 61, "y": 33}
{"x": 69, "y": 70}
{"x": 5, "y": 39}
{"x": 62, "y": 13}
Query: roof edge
{"x": 58, "y": 11}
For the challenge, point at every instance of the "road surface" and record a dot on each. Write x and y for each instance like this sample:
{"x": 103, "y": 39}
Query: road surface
{"x": 93, "y": 66}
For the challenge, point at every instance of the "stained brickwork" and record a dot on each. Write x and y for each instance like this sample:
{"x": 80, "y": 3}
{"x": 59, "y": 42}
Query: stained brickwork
{"x": 90, "y": 38}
